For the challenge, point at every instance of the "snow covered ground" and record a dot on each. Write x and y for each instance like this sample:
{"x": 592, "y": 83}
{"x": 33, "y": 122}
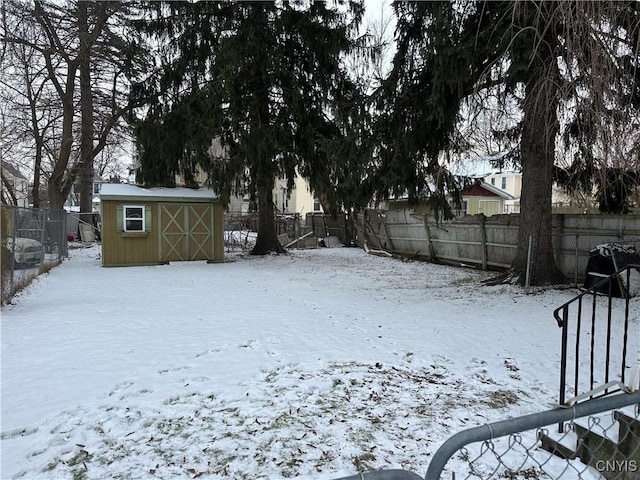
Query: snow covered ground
{"x": 318, "y": 364}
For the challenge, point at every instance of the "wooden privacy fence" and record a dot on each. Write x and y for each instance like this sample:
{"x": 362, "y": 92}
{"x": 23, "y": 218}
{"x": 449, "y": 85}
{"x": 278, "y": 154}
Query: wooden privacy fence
{"x": 489, "y": 242}
{"x": 466, "y": 240}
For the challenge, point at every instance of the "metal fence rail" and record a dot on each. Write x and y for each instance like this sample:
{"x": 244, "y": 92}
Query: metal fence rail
{"x": 520, "y": 448}
{"x": 609, "y": 345}
{"x": 602, "y": 442}
{"x": 384, "y": 475}
{"x": 33, "y": 240}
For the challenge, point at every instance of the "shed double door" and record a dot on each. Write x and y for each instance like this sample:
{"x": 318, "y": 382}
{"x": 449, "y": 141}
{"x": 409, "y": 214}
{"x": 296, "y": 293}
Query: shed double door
{"x": 186, "y": 232}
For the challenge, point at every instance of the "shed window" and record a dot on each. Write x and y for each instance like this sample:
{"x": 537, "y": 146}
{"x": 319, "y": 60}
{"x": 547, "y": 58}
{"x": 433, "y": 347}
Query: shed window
{"x": 133, "y": 218}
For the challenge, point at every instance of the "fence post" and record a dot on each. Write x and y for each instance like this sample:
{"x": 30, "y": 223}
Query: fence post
{"x": 563, "y": 360}
{"x": 527, "y": 282}
{"x": 575, "y": 273}
{"x": 44, "y": 214}
{"x": 14, "y": 227}
{"x": 432, "y": 252}
{"x": 386, "y": 233}
{"x": 483, "y": 241}
{"x": 63, "y": 234}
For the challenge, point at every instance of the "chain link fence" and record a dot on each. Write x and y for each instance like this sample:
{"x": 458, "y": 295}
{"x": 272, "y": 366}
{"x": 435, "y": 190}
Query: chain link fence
{"x": 601, "y": 441}
{"x": 33, "y": 241}
{"x": 293, "y": 230}
{"x": 241, "y": 229}
{"x": 573, "y": 253}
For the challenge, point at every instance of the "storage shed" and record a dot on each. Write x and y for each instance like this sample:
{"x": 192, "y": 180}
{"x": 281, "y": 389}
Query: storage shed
{"x": 151, "y": 226}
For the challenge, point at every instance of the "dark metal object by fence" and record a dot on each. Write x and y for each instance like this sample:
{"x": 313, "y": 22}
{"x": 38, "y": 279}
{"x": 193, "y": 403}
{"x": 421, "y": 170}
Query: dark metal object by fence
{"x": 587, "y": 324}
{"x": 493, "y": 431}
{"x": 572, "y": 252}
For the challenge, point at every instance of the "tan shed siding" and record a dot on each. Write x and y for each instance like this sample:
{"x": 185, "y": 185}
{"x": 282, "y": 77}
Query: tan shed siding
{"x": 218, "y": 233}
{"x": 171, "y": 234}
{"x": 109, "y": 232}
{"x": 200, "y": 232}
{"x": 174, "y": 231}
{"x": 120, "y": 248}
{"x": 188, "y": 231}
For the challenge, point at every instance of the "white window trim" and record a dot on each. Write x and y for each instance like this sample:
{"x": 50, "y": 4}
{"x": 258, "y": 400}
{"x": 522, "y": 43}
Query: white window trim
{"x": 125, "y": 218}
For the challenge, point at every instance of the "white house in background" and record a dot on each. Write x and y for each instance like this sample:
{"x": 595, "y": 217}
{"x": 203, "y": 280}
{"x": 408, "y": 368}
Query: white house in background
{"x": 510, "y": 182}
{"x": 17, "y": 183}
{"x": 498, "y": 182}
{"x": 73, "y": 200}
{"x": 300, "y": 200}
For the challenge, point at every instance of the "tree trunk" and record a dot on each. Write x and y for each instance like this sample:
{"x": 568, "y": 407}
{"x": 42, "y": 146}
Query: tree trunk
{"x": 267, "y": 241}
{"x": 35, "y": 188}
{"x": 57, "y": 195}
{"x": 9, "y": 188}
{"x": 61, "y": 178}
{"x": 39, "y": 143}
{"x": 86, "y": 125}
{"x": 264, "y": 172}
{"x": 537, "y": 154}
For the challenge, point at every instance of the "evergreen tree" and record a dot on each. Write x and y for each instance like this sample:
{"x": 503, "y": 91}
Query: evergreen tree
{"x": 266, "y": 82}
{"x": 537, "y": 53}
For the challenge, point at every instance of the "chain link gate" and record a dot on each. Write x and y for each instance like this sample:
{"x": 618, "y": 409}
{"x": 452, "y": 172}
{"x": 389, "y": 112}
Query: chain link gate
{"x": 601, "y": 441}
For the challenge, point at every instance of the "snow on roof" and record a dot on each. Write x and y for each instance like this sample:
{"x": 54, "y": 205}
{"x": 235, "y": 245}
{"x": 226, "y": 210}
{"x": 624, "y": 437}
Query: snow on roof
{"x": 112, "y": 190}
{"x": 480, "y": 167}
{"x": 497, "y": 191}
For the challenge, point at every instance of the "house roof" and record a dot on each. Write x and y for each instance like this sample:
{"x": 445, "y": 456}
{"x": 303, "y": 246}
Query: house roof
{"x": 124, "y": 191}
{"x": 481, "y": 166}
{"x": 484, "y": 189}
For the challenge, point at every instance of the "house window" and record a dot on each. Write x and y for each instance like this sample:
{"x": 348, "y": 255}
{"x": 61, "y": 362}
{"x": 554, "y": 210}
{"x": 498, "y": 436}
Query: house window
{"x": 504, "y": 183}
{"x": 133, "y": 218}
{"x": 458, "y": 210}
{"x": 493, "y": 180}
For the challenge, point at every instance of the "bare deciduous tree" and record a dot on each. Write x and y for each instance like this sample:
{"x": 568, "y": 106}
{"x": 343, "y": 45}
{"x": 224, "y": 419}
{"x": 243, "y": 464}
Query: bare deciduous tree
{"x": 79, "y": 60}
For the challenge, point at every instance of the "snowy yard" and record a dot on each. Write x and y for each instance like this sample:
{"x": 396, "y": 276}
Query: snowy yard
{"x": 318, "y": 364}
